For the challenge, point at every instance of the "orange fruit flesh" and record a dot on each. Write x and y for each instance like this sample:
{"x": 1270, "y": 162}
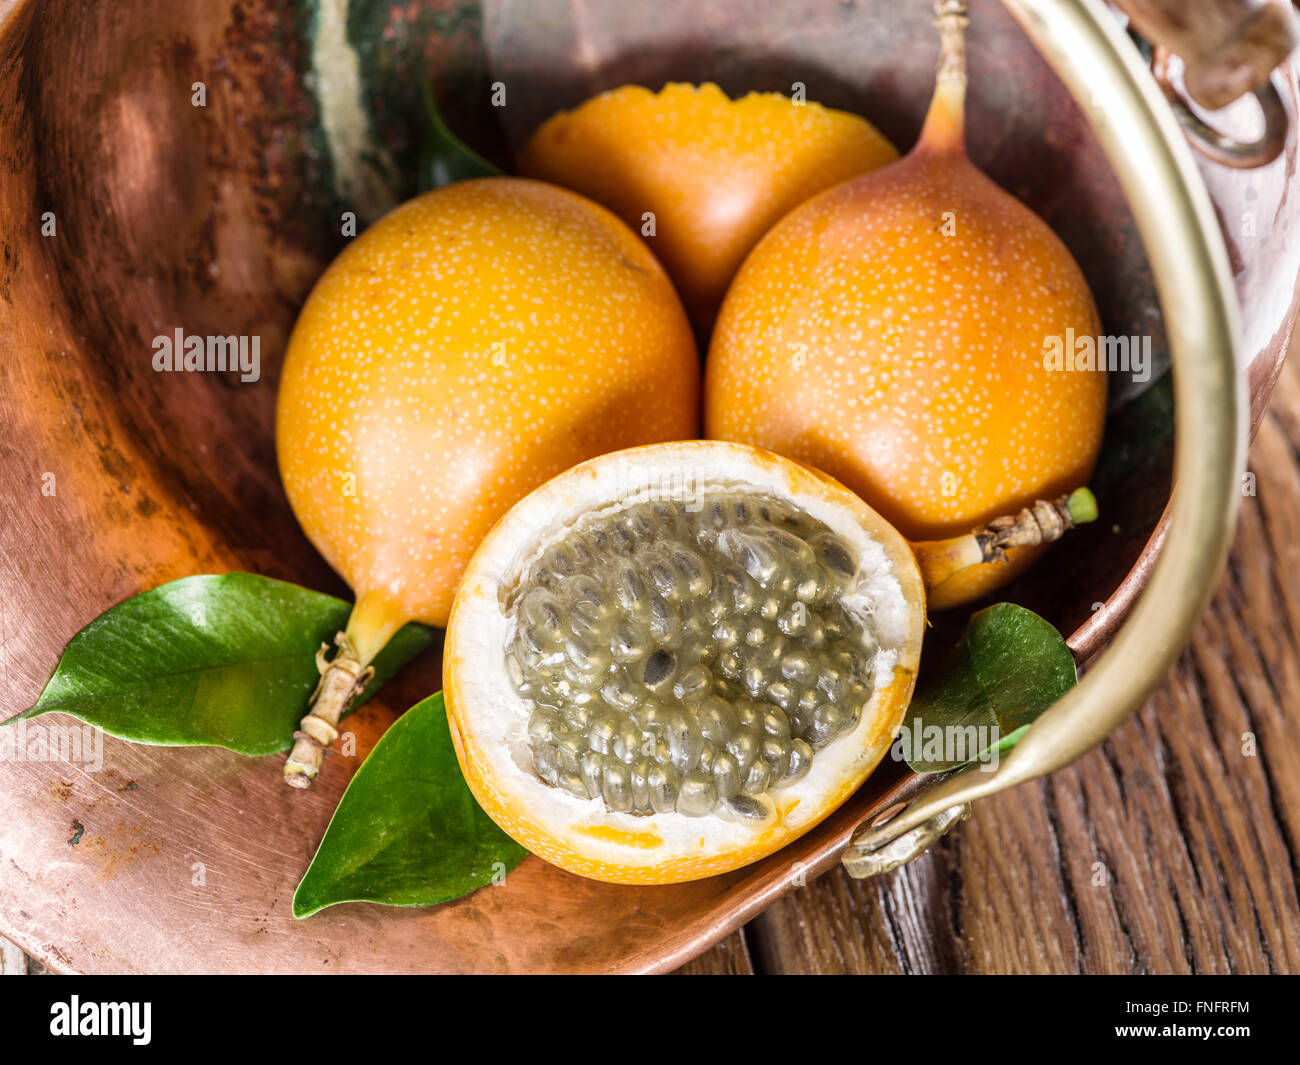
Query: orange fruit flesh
{"x": 492, "y": 722}
{"x": 714, "y": 172}
{"x": 462, "y": 350}
{"x": 892, "y": 330}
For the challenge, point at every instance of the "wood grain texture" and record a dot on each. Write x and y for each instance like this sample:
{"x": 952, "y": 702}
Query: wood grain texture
{"x": 1170, "y": 849}
{"x": 728, "y": 958}
{"x": 13, "y": 962}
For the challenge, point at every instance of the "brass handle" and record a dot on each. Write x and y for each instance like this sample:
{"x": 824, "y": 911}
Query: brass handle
{"x": 1176, "y": 219}
{"x": 866, "y": 858}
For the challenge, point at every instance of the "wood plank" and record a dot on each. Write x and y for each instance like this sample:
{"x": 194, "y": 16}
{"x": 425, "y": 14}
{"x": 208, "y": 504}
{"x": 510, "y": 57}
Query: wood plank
{"x": 728, "y": 958}
{"x": 13, "y": 962}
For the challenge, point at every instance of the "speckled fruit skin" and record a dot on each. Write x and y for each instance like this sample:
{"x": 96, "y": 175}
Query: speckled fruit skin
{"x": 907, "y": 361}
{"x": 716, "y": 173}
{"x": 464, "y": 349}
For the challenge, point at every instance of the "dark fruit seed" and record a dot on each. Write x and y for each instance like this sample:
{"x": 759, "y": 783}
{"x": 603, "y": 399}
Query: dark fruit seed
{"x": 658, "y": 668}
{"x": 837, "y": 558}
{"x": 745, "y": 807}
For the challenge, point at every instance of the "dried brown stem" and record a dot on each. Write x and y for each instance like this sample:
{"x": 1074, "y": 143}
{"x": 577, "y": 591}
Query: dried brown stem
{"x": 951, "y": 20}
{"x": 1042, "y": 522}
{"x": 341, "y": 679}
{"x": 1045, "y": 522}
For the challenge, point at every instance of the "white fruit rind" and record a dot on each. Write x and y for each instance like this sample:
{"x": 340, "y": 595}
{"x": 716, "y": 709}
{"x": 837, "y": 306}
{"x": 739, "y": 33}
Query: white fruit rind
{"x": 493, "y": 717}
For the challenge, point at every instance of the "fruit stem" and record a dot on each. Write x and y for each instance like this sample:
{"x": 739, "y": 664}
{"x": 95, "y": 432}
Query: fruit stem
{"x": 1043, "y": 522}
{"x": 341, "y": 679}
{"x": 371, "y": 625}
{"x": 945, "y": 121}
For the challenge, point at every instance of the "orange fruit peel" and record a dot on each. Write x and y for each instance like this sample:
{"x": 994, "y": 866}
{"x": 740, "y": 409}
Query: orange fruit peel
{"x": 462, "y": 350}
{"x": 892, "y": 332}
{"x": 714, "y": 173}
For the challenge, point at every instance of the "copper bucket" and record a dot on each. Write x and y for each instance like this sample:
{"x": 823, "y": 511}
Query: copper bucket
{"x": 170, "y": 214}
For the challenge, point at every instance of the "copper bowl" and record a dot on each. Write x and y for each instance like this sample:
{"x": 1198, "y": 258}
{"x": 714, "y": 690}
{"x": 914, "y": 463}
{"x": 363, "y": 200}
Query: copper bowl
{"x": 126, "y": 211}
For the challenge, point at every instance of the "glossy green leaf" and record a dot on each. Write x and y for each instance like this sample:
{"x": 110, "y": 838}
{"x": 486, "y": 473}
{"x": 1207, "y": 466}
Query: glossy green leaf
{"x": 444, "y": 158}
{"x": 407, "y": 831}
{"x": 1009, "y": 666}
{"x": 226, "y": 660}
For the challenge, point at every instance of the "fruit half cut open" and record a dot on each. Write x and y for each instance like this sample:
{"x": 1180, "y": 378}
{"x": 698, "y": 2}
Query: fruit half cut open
{"x": 670, "y": 661}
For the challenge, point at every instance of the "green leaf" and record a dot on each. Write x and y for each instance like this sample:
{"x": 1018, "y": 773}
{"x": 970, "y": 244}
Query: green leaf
{"x": 407, "y": 832}
{"x": 225, "y": 660}
{"x": 1009, "y": 666}
{"x": 444, "y": 158}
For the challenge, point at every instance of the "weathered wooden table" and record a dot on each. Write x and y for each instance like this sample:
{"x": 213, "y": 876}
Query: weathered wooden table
{"x": 1171, "y": 849}
{"x": 1174, "y": 848}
